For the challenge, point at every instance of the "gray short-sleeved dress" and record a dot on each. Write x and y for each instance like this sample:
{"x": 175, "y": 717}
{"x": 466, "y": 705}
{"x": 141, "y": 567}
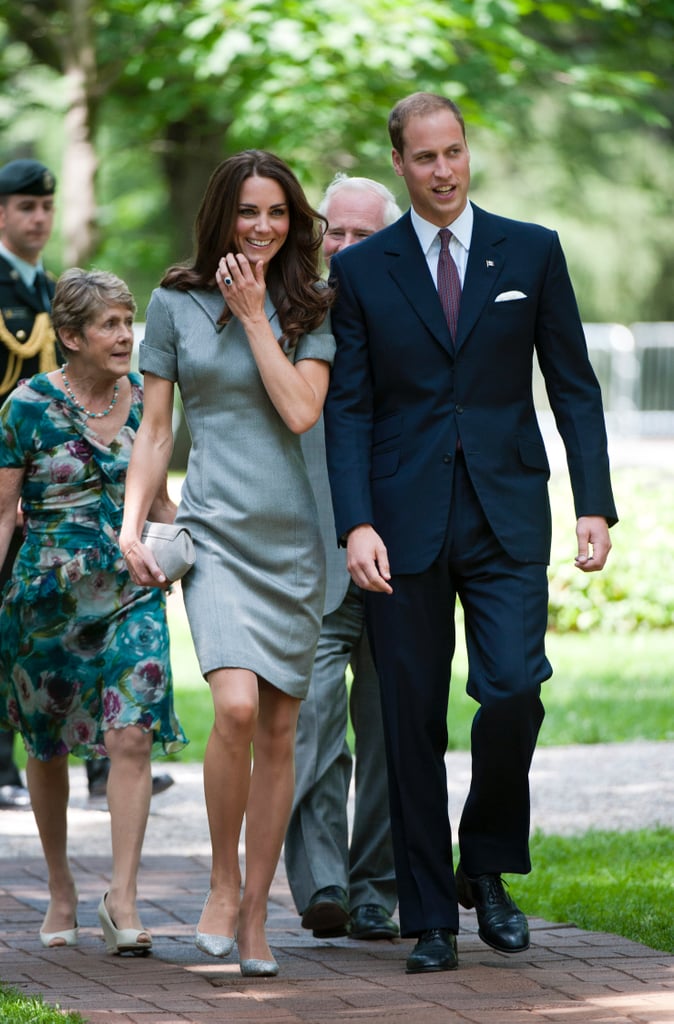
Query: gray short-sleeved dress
{"x": 254, "y": 598}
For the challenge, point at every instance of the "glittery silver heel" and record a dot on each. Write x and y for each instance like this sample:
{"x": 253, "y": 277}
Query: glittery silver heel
{"x": 259, "y": 968}
{"x": 214, "y": 945}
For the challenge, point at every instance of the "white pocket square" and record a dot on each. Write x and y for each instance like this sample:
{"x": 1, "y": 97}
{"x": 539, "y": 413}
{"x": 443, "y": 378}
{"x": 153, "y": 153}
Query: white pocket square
{"x": 509, "y": 296}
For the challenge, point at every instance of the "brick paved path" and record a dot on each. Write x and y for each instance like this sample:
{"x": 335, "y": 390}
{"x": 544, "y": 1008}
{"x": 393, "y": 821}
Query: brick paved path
{"x": 567, "y": 977}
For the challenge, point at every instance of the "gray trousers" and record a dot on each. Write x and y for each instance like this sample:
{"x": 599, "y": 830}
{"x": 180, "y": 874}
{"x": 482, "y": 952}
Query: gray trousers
{"x": 317, "y": 848}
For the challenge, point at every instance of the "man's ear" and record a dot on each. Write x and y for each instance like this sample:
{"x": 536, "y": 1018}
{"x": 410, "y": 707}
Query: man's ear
{"x": 397, "y": 162}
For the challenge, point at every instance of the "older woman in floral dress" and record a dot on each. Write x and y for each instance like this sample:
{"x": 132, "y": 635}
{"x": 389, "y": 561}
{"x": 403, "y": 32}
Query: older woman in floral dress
{"x": 84, "y": 653}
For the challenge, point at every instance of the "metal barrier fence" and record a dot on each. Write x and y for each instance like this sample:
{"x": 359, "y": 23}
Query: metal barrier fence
{"x": 635, "y": 368}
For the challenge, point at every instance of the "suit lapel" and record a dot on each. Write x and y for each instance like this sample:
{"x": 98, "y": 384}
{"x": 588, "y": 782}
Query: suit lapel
{"x": 409, "y": 270}
{"x": 485, "y": 264}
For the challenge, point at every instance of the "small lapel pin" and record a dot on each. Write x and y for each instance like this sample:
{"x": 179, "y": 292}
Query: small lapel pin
{"x": 489, "y": 263}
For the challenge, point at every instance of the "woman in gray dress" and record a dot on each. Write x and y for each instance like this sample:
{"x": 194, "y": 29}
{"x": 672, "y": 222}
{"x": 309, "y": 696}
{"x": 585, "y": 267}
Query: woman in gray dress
{"x": 244, "y": 332}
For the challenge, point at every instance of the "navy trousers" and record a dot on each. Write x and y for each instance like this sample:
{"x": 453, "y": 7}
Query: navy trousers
{"x": 413, "y": 639}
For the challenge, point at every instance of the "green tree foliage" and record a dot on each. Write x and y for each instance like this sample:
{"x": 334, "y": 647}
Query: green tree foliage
{"x": 150, "y": 95}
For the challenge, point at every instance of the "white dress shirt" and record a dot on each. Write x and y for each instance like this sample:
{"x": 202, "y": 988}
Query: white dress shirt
{"x": 459, "y": 245}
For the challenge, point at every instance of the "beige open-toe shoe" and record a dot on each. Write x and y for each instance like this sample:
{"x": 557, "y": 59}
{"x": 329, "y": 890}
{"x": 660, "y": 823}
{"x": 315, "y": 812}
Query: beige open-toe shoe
{"x": 54, "y": 940}
{"x": 122, "y": 940}
{"x": 67, "y": 937}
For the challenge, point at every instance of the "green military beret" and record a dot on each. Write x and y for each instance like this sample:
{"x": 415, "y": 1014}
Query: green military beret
{"x": 26, "y": 177}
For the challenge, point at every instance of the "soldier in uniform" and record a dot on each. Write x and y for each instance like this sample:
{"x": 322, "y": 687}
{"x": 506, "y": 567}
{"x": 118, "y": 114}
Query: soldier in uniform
{"x": 27, "y": 341}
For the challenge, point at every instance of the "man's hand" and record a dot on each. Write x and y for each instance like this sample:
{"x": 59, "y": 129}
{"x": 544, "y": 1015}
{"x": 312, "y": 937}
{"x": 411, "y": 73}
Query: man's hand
{"x": 593, "y": 543}
{"x": 367, "y": 559}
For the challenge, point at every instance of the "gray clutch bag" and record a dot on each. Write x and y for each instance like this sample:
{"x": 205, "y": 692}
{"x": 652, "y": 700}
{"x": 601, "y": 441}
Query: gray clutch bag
{"x": 172, "y": 547}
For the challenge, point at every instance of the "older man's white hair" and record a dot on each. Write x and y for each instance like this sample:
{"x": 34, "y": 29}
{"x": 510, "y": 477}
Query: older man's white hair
{"x": 342, "y": 182}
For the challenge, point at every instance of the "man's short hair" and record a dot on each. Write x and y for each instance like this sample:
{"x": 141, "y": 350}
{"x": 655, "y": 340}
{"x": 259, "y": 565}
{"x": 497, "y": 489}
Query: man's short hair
{"x": 419, "y": 104}
{"x": 343, "y": 183}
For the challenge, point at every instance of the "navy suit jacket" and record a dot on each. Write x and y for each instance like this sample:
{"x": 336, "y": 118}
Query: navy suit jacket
{"x": 402, "y": 394}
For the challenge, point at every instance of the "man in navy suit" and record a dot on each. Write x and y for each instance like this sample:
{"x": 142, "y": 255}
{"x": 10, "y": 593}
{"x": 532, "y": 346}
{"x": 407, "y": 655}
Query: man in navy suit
{"x": 439, "y": 480}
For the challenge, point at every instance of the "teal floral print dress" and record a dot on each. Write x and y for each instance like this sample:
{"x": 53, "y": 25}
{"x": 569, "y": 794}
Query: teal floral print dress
{"x": 82, "y": 648}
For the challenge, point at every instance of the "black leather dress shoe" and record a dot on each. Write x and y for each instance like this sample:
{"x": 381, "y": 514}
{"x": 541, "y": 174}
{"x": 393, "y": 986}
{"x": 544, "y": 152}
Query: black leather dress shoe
{"x": 502, "y": 925}
{"x": 435, "y": 951}
{"x": 14, "y": 798}
{"x": 332, "y": 933}
{"x": 327, "y": 913}
{"x": 98, "y": 787}
{"x": 370, "y": 921}
{"x": 160, "y": 783}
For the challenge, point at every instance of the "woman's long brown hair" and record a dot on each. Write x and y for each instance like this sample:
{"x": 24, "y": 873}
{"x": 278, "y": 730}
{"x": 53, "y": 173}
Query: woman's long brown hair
{"x": 294, "y": 271}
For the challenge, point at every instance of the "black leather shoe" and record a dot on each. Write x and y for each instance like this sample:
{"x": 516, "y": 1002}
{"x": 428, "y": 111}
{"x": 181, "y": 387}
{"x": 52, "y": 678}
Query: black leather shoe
{"x": 370, "y": 921}
{"x": 435, "y": 951}
{"x": 502, "y": 925}
{"x": 14, "y": 798}
{"x": 327, "y": 910}
{"x": 160, "y": 783}
{"x": 332, "y": 933}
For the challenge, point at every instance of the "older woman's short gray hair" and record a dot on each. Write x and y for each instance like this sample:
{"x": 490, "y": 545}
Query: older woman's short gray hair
{"x": 82, "y": 294}
{"x": 342, "y": 182}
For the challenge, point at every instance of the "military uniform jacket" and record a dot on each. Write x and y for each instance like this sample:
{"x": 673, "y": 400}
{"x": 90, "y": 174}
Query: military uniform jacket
{"x": 27, "y": 340}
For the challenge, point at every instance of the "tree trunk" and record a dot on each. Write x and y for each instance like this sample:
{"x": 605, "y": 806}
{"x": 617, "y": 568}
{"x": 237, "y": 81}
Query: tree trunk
{"x": 80, "y": 165}
{"x": 78, "y": 184}
{"x": 192, "y": 148}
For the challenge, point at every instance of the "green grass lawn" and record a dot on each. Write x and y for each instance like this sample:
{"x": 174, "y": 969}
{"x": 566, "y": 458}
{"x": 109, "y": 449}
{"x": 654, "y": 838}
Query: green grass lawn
{"x": 16, "y": 1008}
{"x": 621, "y": 883}
{"x": 605, "y": 688}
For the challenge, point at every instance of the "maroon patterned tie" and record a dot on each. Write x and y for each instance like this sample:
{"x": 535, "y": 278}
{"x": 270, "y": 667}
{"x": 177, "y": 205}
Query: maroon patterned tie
{"x": 449, "y": 283}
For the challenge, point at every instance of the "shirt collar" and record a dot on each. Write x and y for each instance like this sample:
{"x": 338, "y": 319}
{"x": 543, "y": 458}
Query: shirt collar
{"x": 462, "y": 228}
{"x": 27, "y": 271}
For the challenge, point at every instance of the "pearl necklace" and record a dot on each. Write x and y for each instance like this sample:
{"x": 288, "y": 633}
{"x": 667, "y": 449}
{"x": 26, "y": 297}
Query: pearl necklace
{"x": 78, "y": 405}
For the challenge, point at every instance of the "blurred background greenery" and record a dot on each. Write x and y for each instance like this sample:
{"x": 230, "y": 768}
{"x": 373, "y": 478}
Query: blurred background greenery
{"x": 133, "y": 102}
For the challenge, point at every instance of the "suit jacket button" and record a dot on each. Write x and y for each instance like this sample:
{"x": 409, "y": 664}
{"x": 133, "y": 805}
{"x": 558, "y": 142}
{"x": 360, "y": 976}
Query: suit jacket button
{"x": 446, "y": 457}
{"x": 459, "y": 408}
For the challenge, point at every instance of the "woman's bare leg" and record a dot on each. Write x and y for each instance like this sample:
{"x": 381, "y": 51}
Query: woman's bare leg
{"x": 267, "y": 813}
{"x": 129, "y": 793}
{"x": 227, "y": 763}
{"x": 49, "y": 787}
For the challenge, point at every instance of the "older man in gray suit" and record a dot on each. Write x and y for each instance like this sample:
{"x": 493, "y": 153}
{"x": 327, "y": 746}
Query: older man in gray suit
{"x": 342, "y": 887}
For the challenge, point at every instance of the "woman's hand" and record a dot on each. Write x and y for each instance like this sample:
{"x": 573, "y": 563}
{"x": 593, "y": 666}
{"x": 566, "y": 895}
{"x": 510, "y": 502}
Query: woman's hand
{"x": 245, "y": 295}
{"x": 11, "y": 481}
{"x": 297, "y": 391}
{"x": 142, "y": 565}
